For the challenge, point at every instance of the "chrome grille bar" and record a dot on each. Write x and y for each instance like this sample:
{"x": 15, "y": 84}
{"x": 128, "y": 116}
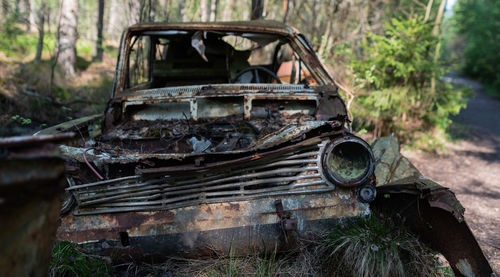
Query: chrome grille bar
{"x": 294, "y": 172}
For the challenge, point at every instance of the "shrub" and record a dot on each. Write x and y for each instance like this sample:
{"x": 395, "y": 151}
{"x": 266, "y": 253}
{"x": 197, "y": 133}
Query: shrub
{"x": 478, "y": 22}
{"x": 395, "y": 73}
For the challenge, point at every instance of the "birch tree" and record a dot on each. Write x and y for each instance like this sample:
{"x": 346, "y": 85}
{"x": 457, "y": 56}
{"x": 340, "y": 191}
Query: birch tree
{"x": 67, "y": 36}
{"x": 204, "y": 10}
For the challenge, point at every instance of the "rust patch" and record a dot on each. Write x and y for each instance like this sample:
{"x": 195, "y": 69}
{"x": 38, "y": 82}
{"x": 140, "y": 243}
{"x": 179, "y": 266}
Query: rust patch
{"x": 233, "y": 206}
{"x": 127, "y": 220}
{"x": 164, "y": 216}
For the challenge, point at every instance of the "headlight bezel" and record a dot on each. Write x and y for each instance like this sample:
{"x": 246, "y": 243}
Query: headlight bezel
{"x": 335, "y": 179}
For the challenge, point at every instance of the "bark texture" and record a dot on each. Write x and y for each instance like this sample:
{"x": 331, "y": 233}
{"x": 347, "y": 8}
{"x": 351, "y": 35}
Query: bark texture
{"x": 213, "y": 10}
{"x": 67, "y": 36}
{"x": 257, "y": 9}
{"x": 204, "y": 10}
{"x": 41, "y": 31}
{"x": 32, "y": 16}
{"x": 135, "y": 9}
{"x": 100, "y": 23}
{"x": 112, "y": 25}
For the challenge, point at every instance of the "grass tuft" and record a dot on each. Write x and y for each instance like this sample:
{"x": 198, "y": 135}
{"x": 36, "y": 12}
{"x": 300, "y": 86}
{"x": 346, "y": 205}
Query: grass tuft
{"x": 376, "y": 247}
{"x": 67, "y": 260}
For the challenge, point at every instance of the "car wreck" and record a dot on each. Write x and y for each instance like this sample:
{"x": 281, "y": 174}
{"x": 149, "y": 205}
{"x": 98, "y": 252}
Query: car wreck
{"x": 217, "y": 136}
{"x": 215, "y": 132}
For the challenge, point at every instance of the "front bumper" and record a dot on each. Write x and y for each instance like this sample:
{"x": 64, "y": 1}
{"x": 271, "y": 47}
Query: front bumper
{"x": 241, "y": 227}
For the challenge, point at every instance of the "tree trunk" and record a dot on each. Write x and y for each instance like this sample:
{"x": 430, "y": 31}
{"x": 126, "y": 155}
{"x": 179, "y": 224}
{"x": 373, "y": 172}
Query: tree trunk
{"x": 135, "y": 11}
{"x": 436, "y": 32}
{"x": 152, "y": 10}
{"x": 428, "y": 10}
{"x": 5, "y": 9}
{"x": 286, "y": 8}
{"x": 100, "y": 22}
{"x": 67, "y": 36}
{"x": 41, "y": 31}
{"x": 204, "y": 10}
{"x": 32, "y": 16}
{"x": 16, "y": 8}
{"x": 257, "y": 9}
{"x": 117, "y": 18}
{"x": 185, "y": 11}
{"x": 164, "y": 9}
{"x": 213, "y": 10}
{"x": 226, "y": 14}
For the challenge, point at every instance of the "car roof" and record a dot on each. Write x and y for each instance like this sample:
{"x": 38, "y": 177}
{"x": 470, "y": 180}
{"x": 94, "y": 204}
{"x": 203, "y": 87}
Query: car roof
{"x": 266, "y": 26}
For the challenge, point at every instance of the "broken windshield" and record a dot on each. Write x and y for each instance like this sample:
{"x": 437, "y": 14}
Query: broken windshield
{"x": 175, "y": 58}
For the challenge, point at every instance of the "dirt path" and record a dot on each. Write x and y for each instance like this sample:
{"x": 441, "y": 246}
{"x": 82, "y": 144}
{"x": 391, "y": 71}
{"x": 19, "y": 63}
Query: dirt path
{"x": 471, "y": 168}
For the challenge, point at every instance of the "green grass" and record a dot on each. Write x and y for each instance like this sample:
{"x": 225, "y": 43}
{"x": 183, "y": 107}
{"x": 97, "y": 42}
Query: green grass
{"x": 375, "y": 247}
{"x": 365, "y": 247}
{"x": 67, "y": 260}
{"x": 16, "y": 44}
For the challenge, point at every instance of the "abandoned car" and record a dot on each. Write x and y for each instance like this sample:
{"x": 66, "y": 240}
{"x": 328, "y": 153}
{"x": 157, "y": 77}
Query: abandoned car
{"x": 216, "y": 135}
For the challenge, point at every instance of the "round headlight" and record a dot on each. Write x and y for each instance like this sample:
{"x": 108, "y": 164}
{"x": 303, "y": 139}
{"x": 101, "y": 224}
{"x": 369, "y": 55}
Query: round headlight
{"x": 347, "y": 161}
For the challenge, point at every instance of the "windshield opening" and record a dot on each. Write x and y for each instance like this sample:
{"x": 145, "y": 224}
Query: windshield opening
{"x": 174, "y": 58}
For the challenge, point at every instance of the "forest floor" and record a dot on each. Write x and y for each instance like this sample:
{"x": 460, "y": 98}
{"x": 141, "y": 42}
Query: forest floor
{"x": 470, "y": 167}
{"x": 28, "y": 104}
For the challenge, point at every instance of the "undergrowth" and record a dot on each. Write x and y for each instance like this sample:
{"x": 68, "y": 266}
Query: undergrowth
{"x": 67, "y": 260}
{"x": 375, "y": 247}
{"x": 16, "y": 44}
{"x": 35, "y": 95}
{"x": 363, "y": 247}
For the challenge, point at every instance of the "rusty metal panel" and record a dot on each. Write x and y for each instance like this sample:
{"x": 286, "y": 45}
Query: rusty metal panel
{"x": 243, "y": 225}
{"x": 296, "y": 171}
{"x": 430, "y": 210}
{"x": 437, "y": 217}
{"x": 31, "y": 183}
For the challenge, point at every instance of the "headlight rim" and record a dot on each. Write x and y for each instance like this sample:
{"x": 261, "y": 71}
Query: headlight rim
{"x": 334, "y": 180}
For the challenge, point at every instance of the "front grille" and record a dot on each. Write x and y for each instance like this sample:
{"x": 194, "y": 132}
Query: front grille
{"x": 294, "y": 172}
{"x": 286, "y": 88}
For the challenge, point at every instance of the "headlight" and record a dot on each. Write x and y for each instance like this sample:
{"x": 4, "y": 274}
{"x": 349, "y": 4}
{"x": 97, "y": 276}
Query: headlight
{"x": 347, "y": 161}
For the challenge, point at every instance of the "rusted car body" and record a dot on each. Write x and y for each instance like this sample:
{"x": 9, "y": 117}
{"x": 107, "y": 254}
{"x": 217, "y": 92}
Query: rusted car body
{"x": 31, "y": 185}
{"x": 203, "y": 147}
{"x": 430, "y": 210}
{"x": 218, "y": 137}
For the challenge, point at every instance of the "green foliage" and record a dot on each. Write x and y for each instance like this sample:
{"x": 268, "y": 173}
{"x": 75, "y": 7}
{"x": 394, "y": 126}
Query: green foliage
{"x": 396, "y": 69}
{"x": 67, "y": 260}
{"x": 398, "y": 58}
{"x": 14, "y": 41}
{"x": 20, "y": 119}
{"x": 478, "y": 22}
{"x": 372, "y": 247}
{"x": 17, "y": 44}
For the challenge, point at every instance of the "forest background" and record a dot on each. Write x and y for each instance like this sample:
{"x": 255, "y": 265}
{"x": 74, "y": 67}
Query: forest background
{"x": 388, "y": 57}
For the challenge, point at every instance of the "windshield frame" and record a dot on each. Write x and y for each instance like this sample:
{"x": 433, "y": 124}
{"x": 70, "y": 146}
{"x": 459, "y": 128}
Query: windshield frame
{"x": 296, "y": 41}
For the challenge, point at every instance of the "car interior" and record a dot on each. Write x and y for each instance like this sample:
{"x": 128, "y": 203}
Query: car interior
{"x": 176, "y": 58}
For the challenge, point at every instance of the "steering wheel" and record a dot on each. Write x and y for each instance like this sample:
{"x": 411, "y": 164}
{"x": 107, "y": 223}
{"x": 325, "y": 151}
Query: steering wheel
{"x": 255, "y": 72}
